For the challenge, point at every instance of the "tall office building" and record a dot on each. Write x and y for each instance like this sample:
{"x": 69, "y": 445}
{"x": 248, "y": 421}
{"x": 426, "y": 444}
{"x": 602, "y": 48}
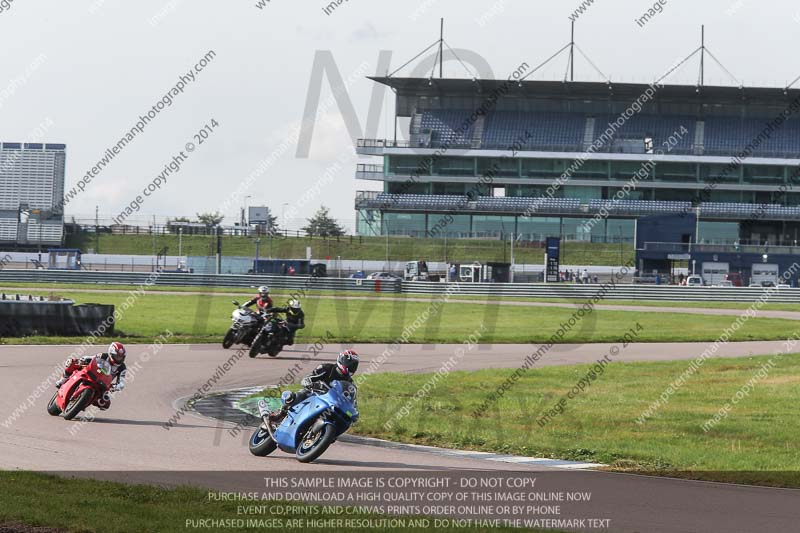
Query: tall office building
{"x": 31, "y": 194}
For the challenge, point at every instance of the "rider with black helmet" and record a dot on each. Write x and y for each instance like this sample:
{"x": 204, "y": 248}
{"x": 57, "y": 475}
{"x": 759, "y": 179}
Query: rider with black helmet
{"x": 342, "y": 370}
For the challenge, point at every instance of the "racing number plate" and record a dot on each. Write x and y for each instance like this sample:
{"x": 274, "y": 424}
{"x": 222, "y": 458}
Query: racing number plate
{"x": 263, "y": 408}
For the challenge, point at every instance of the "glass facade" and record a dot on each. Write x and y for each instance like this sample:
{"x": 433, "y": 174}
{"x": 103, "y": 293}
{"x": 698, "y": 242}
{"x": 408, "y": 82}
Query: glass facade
{"x": 600, "y": 180}
{"x": 690, "y": 176}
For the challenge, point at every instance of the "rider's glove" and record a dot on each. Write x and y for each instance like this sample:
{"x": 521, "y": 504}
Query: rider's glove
{"x": 69, "y": 362}
{"x": 306, "y": 383}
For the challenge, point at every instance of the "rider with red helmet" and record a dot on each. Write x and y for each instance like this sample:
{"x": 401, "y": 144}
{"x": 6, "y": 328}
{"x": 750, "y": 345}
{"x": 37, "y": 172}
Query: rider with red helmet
{"x": 115, "y": 357}
{"x": 342, "y": 370}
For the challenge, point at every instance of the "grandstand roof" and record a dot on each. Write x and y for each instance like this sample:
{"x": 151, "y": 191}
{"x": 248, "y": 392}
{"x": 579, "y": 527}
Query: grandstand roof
{"x": 766, "y": 96}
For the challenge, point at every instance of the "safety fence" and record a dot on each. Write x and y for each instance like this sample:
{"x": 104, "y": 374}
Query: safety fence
{"x": 578, "y": 292}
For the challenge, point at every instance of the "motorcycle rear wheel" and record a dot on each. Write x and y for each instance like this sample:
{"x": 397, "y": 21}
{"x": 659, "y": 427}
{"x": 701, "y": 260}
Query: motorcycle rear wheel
{"x": 324, "y": 439}
{"x": 227, "y": 342}
{"x": 77, "y": 404}
{"x": 261, "y": 443}
{"x": 52, "y": 407}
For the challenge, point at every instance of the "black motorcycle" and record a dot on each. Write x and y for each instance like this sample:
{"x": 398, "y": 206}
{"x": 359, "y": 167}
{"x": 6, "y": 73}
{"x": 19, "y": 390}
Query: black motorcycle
{"x": 246, "y": 325}
{"x": 271, "y": 338}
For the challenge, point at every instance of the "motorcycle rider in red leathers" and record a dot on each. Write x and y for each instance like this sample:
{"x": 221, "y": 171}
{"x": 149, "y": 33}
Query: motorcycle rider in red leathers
{"x": 114, "y": 358}
{"x": 262, "y": 301}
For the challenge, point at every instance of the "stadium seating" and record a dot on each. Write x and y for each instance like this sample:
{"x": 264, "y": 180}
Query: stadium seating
{"x": 446, "y": 125}
{"x": 574, "y": 206}
{"x": 539, "y": 130}
{"x": 561, "y": 131}
{"x": 659, "y": 128}
{"x": 729, "y": 136}
{"x": 8, "y": 229}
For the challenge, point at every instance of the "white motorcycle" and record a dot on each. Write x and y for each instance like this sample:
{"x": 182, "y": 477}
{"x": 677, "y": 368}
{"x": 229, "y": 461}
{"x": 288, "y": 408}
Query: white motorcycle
{"x": 246, "y": 324}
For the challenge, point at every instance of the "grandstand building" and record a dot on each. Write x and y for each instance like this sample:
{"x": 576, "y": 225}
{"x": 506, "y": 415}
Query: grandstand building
{"x": 31, "y": 194}
{"x": 584, "y": 161}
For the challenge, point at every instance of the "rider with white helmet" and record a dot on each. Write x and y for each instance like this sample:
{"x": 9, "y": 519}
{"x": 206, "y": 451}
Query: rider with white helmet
{"x": 295, "y": 318}
{"x": 114, "y": 357}
{"x": 263, "y": 301}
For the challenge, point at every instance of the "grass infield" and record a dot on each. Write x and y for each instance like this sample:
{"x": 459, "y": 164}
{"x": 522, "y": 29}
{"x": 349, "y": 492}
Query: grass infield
{"x": 758, "y": 442}
{"x": 199, "y": 318}
{"x": 75, "y": 505}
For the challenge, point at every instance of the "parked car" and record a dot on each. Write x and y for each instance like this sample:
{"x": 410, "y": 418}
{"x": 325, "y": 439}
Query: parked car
{"x": 735, "y": 278}
{"x": 783, "y": 286}
{"x": 358, "y": 275}
{"x": 694, "y": 281}
{"x": 726, "y": 283}
{"x": 383, "y": 276}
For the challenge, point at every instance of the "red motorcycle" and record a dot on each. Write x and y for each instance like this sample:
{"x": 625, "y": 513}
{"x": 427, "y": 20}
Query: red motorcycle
{"x": 83, "y": 388}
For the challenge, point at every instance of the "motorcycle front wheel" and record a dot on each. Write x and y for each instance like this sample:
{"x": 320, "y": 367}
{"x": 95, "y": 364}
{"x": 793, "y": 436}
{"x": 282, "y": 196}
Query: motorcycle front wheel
{"x": 314, "y": 444}
{"x": 227, "y": 342}
{"x": 255, "y": 348}
{"x": 52, "y": 407}
{"x": 77, "y": 404}
{"x": 261, "y": 443}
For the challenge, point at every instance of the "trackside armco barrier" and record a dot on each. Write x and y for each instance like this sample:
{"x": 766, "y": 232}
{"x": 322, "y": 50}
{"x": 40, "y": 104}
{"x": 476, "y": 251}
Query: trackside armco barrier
{"x": 528, "y": 290}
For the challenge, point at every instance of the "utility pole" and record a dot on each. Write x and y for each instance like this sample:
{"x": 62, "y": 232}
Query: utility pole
{"x": 219, "y": 249}
{"x": 96, "y": 229}
{"x": 511, "y": 270}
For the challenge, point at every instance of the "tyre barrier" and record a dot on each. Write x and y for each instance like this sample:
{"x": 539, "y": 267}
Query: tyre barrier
{"x": 23, "y": 318}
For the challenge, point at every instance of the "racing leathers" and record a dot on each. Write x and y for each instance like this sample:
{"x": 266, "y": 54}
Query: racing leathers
{"x": 324, "y": 375}
{"x": 264, "y": 303}
{"x": 295, "y": 319}
{"x": 118, "y": 373}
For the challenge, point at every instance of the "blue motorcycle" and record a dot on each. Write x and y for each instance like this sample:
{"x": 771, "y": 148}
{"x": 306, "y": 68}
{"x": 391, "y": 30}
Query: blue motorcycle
{"x": 310, "y": 426}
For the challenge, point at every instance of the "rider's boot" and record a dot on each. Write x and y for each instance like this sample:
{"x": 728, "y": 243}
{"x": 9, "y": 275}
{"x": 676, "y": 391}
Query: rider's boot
{"x": 277, "y": 416}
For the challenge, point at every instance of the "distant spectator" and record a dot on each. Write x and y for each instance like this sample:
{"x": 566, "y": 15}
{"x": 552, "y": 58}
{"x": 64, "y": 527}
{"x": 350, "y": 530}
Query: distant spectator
{"x": 452, "y": 272}
{"x": 596, "y": 280}
{"x": 585, "y": 276}
{"x": 283, "y": 269}
{"x": 291, "y": 271}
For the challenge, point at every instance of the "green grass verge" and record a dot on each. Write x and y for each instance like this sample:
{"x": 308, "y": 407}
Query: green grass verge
{"x": 757, "y": 443}
{"x": 367, "y": 248}
{"x": 82, "y": 505}
{"x": 205, "y": 318}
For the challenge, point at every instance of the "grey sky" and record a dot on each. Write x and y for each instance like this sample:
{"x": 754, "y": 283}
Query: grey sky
{"x": 105, "y": 63}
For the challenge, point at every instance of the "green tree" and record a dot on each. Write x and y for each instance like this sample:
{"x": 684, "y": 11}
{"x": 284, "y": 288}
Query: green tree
{"x": 323, "y": 225}
{"x": 210, "y": 219}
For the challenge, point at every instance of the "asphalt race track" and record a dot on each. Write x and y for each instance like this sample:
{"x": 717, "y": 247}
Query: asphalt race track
{"x": 130, "y": 437}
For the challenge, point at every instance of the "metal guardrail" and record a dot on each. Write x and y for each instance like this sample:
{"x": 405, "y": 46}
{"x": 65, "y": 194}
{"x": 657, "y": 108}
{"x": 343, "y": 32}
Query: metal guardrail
{"x": 489, "y": 290}
{"x": 198, "y": 280}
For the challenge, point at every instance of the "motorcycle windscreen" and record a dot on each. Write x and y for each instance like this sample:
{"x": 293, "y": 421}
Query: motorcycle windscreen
{"x": 298, "y": 418}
